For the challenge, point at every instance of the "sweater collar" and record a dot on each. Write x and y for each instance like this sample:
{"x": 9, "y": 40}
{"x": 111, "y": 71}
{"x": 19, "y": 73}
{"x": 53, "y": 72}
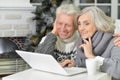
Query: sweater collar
{"x": 100, "y": 41}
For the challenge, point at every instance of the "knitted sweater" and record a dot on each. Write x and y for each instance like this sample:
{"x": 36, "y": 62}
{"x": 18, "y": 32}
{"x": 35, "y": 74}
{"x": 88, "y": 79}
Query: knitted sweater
{"x": 59, "y": 48}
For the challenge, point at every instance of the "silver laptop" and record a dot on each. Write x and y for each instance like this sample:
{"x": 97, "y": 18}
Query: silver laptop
{"x": 47, "y": 63}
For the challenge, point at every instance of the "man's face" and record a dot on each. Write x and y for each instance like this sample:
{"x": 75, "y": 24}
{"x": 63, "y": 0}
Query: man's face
{"x": 65, "y": 25}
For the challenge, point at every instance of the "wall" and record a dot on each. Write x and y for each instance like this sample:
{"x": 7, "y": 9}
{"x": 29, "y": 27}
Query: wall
{"x": 15, "y": 21}
{"x": 14, "y": 3}
{"x": 16, "y": 18}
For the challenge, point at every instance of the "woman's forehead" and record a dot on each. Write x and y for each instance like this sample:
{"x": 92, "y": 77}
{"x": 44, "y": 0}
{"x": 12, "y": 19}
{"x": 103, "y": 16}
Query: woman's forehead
{"x": 85, "y": 17}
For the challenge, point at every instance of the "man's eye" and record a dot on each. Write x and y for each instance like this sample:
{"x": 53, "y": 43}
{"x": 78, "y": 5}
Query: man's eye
{"x": 87, "y": 23}
{"x": 69, "y": 25}
{"x": 59, "y": 23}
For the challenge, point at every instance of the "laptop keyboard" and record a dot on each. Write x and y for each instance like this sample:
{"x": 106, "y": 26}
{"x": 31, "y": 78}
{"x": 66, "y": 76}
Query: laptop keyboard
{"x": 73, "y": 70}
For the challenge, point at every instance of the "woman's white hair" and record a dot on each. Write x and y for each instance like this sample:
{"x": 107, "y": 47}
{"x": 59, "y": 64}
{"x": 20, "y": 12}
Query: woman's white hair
{"x": 68, "y": 9}
{"x": 101, "y": 20}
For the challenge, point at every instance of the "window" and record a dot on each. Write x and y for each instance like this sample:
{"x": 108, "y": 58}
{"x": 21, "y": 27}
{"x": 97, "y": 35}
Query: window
{"x": 35, "y": 2}
{"x": 87, "y": 1}
{"x": 119, "y": 9}
{"x": 104, "y": 1}
{"x": 110, "y": 7}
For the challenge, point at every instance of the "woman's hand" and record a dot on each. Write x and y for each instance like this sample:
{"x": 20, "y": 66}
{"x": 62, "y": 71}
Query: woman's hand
{"x": 68, "y": 63}
{"x": 87, "y": 46}
{"x": 117, "y": 41}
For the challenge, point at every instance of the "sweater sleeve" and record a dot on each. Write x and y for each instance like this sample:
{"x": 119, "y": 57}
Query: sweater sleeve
{"x": 111, "y": 64}
{"x": 79, "y": 56}
{"x": 80, "y": 62}
{"x": 48, "y": 45}
{"x": 99, "y": 60}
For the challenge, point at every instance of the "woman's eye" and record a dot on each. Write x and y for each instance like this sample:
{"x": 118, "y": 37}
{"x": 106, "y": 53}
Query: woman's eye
{"x": 87, "y": 23}
{"x": 78, "y": 24}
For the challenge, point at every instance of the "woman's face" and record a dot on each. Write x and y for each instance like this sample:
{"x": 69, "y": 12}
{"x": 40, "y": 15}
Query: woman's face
{"x": 86, "y": 26}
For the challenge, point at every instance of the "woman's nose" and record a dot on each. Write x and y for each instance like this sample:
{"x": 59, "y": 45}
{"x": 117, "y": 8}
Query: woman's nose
{"x": 82, "y": 27}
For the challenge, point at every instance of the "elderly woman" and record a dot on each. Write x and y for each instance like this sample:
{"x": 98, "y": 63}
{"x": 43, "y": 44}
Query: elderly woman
{"x": 96, "y": 41}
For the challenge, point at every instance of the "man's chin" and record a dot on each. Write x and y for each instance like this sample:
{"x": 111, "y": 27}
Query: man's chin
{"x": 64, "y": 38}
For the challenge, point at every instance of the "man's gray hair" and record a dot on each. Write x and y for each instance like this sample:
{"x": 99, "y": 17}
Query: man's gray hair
{"x": 101, "y": 20}
{"x": 68, "y": 9}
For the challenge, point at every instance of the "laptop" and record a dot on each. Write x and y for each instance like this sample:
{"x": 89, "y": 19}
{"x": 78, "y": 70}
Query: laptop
{"x": 47, "y": 63}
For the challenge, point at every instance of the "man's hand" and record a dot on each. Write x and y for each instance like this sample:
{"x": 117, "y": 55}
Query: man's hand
{"x": 54, "y": 31}
{"x": 68, "y": 63}
{"x": 117, "y": 41}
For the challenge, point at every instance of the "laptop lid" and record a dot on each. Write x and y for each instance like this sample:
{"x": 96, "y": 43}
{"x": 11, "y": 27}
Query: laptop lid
{"x": 45, "y": 62}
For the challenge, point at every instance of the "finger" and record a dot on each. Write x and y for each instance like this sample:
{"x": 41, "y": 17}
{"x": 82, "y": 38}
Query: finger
{"x": 90, "y": 40}
{"x": 81, "y": 46}
{"x": 85, "y": 41}
{"x": 54, "y": 31}
{"x": 61, "y": 64}
{"x": 117, "y": 44}
{"x": 66, "y": 63}
{"x": 70, "y": 65}
{"x": 73, "y": 64}
{"x": 117, "y": 40}
{"x": 55, "y": 25}
{"x": 117, "y": 34}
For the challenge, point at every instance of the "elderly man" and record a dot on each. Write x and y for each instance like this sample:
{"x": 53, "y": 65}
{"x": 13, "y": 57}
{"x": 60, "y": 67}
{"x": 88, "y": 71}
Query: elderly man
{"x": 61, "y": 41}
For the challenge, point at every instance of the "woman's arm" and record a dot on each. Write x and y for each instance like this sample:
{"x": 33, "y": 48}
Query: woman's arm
{"x": 111, "y": 64}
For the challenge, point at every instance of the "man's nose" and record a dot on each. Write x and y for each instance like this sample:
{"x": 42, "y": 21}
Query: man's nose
{"x": 63, "y": 28}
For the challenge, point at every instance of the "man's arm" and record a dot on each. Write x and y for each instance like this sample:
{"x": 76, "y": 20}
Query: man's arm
{"x": 117, "y": 41}
{"x": 48, "y": 45}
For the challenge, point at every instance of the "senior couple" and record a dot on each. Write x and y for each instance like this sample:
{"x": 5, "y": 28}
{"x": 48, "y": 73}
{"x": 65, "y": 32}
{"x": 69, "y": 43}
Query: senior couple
{"x": 79, "y": 35}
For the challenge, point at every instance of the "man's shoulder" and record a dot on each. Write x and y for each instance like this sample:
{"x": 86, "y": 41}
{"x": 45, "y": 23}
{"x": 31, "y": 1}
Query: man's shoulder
{"x": 49, "y": 35}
